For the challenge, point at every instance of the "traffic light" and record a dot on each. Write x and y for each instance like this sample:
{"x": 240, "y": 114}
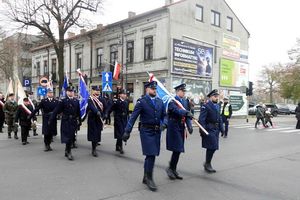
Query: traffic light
{"x": 249, "y": 89}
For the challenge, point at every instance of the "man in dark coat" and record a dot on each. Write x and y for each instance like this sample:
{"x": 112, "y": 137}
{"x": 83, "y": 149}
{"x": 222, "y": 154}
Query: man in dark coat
{"x": 70, "y": 109}
{"x": 298, "y": 116}
{"x": 95, "y": 112}
{"x": 226, "y": 113}
{"x": 2, "y": 116}
{"x": 211, "y": 121}
{"x": 10, "y": 109}
{"x": 152, "y": 112}
{"x": 108, "y": 103}
{"x": 120, "y": 107}
{"x": 47, "y": 106}
{"x": 260, "y": 114}
{"x": 178, "y": 120}
{"x": 23, "y": 117}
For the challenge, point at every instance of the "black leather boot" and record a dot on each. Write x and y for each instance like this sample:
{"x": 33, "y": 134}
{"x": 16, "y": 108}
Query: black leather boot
{"x": 150, "y": 183}
{"x": 94, "y": 153}
{"x": 9, "y": 135}
{"x": 16, "y": 136}
{"x": 208, "y": 168}
{"x": 170, "y": 173}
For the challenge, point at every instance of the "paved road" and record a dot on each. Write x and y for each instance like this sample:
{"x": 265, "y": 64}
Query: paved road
{"x": 252, "y": 164}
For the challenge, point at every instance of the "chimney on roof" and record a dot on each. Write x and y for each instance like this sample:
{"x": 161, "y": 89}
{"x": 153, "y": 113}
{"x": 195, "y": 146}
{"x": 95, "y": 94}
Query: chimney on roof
{"x": 71, "y": 34}
{"x": 168, "y": 2}
{"x": 131, "y": 14}
{"x": 82, "y": 31}
{"x": 99, "y": 26}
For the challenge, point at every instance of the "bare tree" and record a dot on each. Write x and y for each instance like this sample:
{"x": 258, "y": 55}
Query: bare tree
{"x": 269, "y": 80}
{"x": 52, "y": 17}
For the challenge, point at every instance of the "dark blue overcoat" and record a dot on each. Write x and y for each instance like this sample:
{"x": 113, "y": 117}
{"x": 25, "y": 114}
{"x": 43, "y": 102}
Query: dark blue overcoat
{"x": 47, "y": 108}
{"x": 95, "y": 124}
{"x": 121, "y": 113}
{"x": 151, "y": 114}
{"x": 176, "y": 125}
{"x": 70, "y": 110}
{"x": 211, "y": 120}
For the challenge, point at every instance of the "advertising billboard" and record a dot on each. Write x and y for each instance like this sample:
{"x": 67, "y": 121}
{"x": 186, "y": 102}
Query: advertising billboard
{"x": 231, "y": 46}
{"x": 192, "y": 59}
{"x": 233, "y": 74}
{"x": 238, "y": 102}
{"x": 195, "y": 89}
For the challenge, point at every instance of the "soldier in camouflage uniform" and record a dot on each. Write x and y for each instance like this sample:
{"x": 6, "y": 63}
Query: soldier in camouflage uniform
{"x": 10, "y": 109}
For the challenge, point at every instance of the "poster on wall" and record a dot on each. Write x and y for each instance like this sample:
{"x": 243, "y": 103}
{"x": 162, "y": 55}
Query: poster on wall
{"x": 231, "y": 46}
{"x": 192, "y": 59}
{"x": 195, "y": 89}
{"x": 233, "y": 74}
{"x": 238, "y": 103}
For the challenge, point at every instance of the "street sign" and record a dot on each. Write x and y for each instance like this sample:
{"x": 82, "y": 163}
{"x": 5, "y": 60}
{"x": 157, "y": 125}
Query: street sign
{"x": 44, "y": 81}
{"x": 106, "y": 77}
{"x": 107, "y": 82}
{"x": 107, "y": 87}
{"x": 41, "y": 91}
{"x": 26, "y": 82}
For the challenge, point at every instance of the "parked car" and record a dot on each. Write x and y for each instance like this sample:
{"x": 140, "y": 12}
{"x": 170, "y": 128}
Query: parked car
{"x": 252, "y": 109}
{"x": 292, "y": 108}
{"x": 283, "y": 109}
{"x": 274, "y": 109}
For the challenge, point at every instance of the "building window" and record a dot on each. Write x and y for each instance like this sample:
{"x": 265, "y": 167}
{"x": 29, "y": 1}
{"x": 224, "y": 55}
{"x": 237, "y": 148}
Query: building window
{"x": 78, "y": 60}
{"x": 215, "y": 18}
{"x": 130, "y": 52}
{"x": 148, "y": 49}
{"x": 38, "y": 68}
{"x": 229, "y": 24}
{"x": 46, "y": 69}
{"x": 113, "y": 56}
{"x": 54, "y": 67}
{"x": 99, "y": 57}
{"x": 199, "y": 13}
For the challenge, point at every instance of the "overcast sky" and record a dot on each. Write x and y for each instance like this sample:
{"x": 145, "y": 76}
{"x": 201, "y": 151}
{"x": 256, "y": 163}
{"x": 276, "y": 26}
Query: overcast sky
{"x": 273, "y": 25}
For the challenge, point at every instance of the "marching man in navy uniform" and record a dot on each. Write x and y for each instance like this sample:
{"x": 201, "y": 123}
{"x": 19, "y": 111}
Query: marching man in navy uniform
{"x": 152, "y": 112}
{"x": 95, "y": 112}
{"x": 211, "y": 121}
{"x": 47, "y": 106}
{"x": 70, "y": 109}
{"x": 120, "y": 107}
{"x": 178, "y": 119}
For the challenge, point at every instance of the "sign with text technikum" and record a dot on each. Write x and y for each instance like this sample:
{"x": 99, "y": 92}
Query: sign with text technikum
{"x": 107, "y": 82}
{"x": 192, "y": 59}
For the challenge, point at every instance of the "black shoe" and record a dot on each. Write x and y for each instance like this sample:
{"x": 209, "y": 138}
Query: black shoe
{"x": 150, "y": 183}
{"x": 208, "y": 168}
{"x": 66, "y": 153}
{"x": 27, "y": 142}
{"x": 94, "y": 153}
{"x": 47, "y": 148}
{"x": 145, "y": 178}
{"x": 121, "y": 151}
{"x": 35, "y": 134}
{"x": 69, "y": 156}
{"x": 98, "y": 144}
{"x": 16, "y": 136}
{"x": 170, "y": 173}
{"x": 177, "y": 175}
{"x": 24, "y": 143}
{"x": 9, "y": 136}
{"x": 50, "y": 149}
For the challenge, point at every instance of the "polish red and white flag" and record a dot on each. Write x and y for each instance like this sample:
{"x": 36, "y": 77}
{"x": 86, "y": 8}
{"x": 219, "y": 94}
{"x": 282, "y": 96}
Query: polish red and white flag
{"x": 117, "y": 71}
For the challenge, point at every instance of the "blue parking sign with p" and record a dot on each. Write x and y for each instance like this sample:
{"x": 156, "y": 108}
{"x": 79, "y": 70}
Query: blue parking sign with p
{"x": 26, "y": 82}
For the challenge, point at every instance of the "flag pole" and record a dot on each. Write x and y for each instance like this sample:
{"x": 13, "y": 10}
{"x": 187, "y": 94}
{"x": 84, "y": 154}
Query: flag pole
{"x": 180, "y": 105}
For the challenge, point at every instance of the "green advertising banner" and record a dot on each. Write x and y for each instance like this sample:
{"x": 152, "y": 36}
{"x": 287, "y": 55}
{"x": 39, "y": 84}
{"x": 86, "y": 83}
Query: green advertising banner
{"x": 233, "y": 74}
